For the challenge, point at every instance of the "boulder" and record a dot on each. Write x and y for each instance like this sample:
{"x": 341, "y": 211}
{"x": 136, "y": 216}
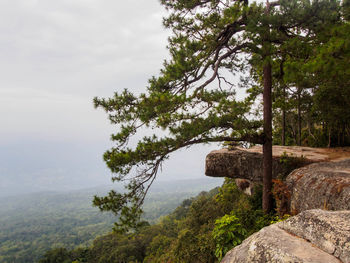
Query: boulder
{"x": 321, "y": 185}
{"x": 328, "y": 230}
{"x": 311, "y": 236}
{"x": 273, "y": 245}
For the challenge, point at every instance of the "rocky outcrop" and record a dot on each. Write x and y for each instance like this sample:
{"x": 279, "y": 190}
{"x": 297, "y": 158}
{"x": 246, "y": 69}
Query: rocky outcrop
{"x": 311, "y": 236}
{"x": 238, "y": 163}
{"x": 247, "y": 163}
{"x": 273, "y": 245}
{"x": 328, "y": 230}
{"x": 323, "y": 182}
{"x": 234, "y": 164}
{"x": 321, "y": 185}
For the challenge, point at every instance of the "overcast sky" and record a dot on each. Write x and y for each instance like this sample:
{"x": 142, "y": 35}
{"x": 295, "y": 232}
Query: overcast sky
{"x": 55, "y": 56}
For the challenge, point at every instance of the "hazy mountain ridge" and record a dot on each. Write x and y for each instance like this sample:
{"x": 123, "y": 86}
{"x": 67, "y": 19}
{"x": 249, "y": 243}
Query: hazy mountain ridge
{"x": 33, "y": 223}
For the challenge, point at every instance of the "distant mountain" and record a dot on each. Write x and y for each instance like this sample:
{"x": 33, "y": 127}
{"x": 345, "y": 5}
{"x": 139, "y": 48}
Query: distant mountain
{"x": 33, "y": 223}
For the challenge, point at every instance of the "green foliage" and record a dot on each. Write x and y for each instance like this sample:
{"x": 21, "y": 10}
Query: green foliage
{"x": 56, "y": 255}
{"x": 207, "y": 37}
{"x": 243, "y": 216}
{"x": 62, "y": 255}
{"x": 277, "y": 219}
{"x": 290, "y": 163}
{"x": 228, "y": 233}
{"x": 33, "y": 224}
{"x": 120, "y": 248}
{"x": 255, "y": 199}
{"x": 331, "y": 100}
{"x": 315, "y": 79}
{"x": 193, "y": 99}
{"x": 157, "y": 249}
{"x": 201, "y": 229}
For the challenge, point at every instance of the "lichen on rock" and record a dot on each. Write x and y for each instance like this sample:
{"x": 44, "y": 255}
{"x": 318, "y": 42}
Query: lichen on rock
{"x": 321, "y": 185}
{"x": 311, "y": 237}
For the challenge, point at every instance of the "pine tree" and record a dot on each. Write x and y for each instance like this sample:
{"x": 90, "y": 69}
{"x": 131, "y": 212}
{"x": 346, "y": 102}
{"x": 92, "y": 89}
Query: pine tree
{"x": 193, "y": 100}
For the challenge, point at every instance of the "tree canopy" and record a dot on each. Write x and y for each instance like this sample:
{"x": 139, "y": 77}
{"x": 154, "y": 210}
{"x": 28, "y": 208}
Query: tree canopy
{"x": 196, "y": 231}
{"x": 193, "y": 99}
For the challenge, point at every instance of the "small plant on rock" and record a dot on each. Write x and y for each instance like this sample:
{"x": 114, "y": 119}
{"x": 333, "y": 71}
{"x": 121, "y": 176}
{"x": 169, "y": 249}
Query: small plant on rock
{"x": 228, "y": 233}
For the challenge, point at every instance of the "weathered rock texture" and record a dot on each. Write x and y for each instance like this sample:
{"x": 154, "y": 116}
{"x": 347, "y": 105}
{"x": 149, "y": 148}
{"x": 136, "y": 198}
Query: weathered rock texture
{"x": 321, "y": 185}
{"x": 309, "y": 153}
{"x": 247, "y": 163}
{"x": 324, "y": 184}
{"x": 312, "y": 235}
{"x": 238, "y": 164}
{"x": 329, "y": 231}
{"x": 289, "y": 241}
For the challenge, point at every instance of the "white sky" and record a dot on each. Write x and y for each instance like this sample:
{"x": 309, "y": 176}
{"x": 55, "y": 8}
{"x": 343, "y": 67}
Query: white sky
{"x": 55, "y": 56}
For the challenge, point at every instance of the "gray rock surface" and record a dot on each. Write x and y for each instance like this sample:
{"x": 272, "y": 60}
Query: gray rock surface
{"x": 247, "y": 163}
{"x": 288, "y": 241}
{"x": 328, "y": 230}
{"x": 321, "y": 185}
{"x": 272, "y": 244}
{"x": 238, "y": 163}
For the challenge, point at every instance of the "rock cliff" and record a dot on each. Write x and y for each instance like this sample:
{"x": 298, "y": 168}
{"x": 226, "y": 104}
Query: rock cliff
{"x": 313, "y": 236}
{"x": 322, "y": 182}
{"x": 238, "y": 163}
{"x": 247, "y": 163}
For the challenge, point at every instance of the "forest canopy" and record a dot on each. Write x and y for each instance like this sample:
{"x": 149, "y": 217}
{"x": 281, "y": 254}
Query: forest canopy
{"x": 201, "y": 229}
{"x": 290, "y": 57}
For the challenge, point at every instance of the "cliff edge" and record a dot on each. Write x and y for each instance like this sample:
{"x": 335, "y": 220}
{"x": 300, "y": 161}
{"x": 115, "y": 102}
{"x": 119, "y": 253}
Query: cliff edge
{"x": 313, "y": 236}
{"x": 321, "y": 183}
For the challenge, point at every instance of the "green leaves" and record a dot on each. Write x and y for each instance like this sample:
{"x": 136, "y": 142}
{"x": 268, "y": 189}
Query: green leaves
{"x": 228, "y": 233}
{"x": 193, "y": 100}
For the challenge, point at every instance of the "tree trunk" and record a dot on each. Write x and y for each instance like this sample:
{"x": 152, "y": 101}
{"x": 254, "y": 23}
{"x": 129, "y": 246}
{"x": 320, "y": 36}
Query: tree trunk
{"x": 284, "y": 97}
{"x": 299, "y": 118}
{"x": 267, "y": 101}
{"x": 267, "y": 146}
{"x": 284, "y": 117}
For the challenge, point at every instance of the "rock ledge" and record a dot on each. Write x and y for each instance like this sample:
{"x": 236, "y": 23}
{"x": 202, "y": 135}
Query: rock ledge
{"x": 313, "y": 236}
{"x": 247, "y": 163}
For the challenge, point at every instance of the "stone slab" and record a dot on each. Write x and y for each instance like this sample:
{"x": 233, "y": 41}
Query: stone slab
{"x": 274, "y": 245}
